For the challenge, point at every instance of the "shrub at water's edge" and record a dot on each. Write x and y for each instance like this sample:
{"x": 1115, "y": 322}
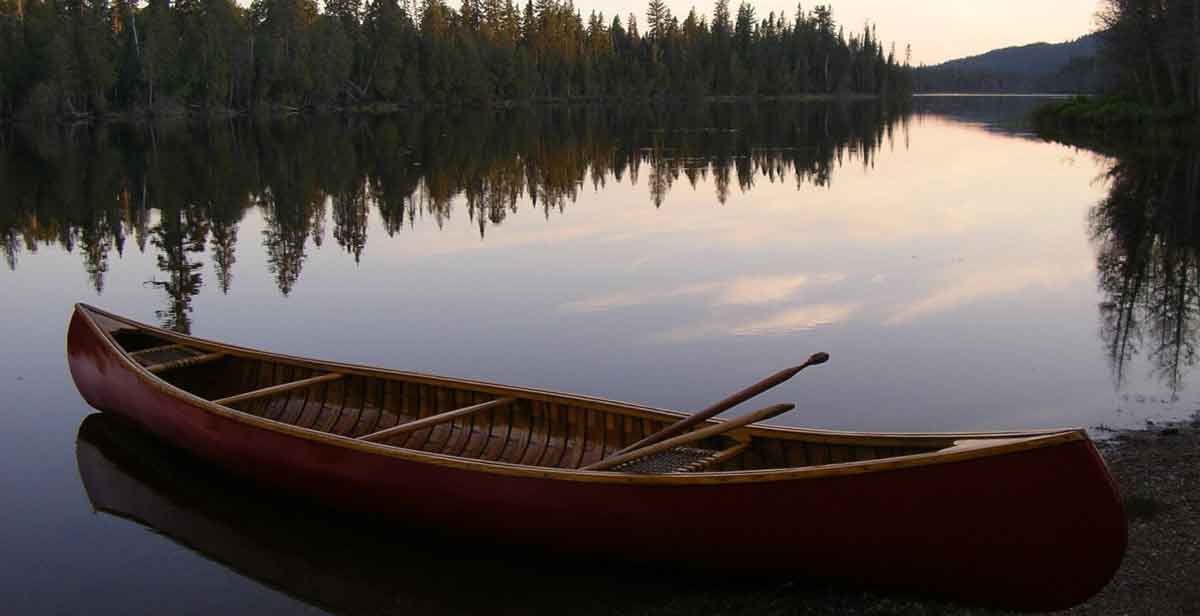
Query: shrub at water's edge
{"x": 1113, "y": 117}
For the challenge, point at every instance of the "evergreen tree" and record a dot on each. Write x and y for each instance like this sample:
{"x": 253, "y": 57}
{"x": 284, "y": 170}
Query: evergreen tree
{"x": 85, "y": 56}
{"x": 658, "y": 16}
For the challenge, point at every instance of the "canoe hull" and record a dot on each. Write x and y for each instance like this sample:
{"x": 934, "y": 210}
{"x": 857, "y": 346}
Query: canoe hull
{"x": 1037, "y": 529}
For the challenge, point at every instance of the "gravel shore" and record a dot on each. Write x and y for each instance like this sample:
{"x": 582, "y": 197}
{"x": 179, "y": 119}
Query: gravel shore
{"x": 1158, "y": 469}
{"x": 1159, "y": 472}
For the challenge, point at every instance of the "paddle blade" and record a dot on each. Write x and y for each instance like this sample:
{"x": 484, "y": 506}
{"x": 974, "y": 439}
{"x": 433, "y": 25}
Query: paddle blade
{"x": 817, "y": 358}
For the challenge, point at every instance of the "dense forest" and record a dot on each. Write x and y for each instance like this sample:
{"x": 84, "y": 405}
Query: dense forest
{"x": 1041, "y": 67}
{"x": 1154, "y": 46}
{"x": 1151, "y": 49}
{"x": 88, "y": 57}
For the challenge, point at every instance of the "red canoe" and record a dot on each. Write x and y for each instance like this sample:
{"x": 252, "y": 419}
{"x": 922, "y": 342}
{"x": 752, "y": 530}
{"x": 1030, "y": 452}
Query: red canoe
{"x": 1029, "y": 520}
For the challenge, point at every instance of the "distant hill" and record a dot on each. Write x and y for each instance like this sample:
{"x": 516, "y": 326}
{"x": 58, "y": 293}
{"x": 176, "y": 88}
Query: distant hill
{"x": 1040, "y": 67}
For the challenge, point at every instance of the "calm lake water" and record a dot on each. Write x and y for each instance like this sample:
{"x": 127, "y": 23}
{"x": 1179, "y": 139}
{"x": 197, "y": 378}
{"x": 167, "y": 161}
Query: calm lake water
{"x": 964, "y": 275}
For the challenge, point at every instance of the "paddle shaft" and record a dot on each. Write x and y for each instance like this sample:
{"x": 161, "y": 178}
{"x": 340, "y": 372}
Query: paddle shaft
{"x": 726, "y": 404}
{"x": 683, "y": 439}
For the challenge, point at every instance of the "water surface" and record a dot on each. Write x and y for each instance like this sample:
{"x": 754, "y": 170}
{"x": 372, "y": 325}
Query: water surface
{"x": 963, "y": 274}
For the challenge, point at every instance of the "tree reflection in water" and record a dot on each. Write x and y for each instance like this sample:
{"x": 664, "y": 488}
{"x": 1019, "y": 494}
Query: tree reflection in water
{"x": 186, "y": 188}
{"x": 1148, "y": 261}
{"x": 182, "y": 191}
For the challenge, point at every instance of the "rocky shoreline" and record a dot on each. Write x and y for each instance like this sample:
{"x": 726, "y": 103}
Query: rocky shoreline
{"x": 1158, "y": 469}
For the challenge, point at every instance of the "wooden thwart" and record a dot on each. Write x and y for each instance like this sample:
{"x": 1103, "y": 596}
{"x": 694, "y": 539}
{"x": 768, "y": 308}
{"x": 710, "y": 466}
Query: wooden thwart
{"x": 184, "y": 363}
{"x": 278, "y": 389}
{"x": 436, "y": 419}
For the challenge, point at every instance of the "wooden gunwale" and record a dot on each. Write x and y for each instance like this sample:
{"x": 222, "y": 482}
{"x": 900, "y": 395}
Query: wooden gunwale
{"x": 1029, "y": 440}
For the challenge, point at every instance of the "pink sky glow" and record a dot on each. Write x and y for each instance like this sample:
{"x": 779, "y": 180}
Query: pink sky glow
{"x": 938, "y": 30}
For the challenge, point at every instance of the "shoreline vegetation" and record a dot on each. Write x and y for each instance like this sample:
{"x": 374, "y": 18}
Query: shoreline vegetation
{"x": 273, "y": 112}
{"x": 1152, "y": 50}
{"x": 1103, "y": 119}
{"x": 92, "y": 59}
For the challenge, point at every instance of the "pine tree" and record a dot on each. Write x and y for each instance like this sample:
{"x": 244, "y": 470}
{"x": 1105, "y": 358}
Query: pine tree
{"x": 81, "y": 56}
{"x": 657, "y": 18}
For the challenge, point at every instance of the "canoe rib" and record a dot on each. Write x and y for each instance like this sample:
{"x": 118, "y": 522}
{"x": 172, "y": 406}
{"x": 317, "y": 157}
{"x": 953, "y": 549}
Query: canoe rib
{"x": 278, "y": 389}
{"x": 435, "y": 420}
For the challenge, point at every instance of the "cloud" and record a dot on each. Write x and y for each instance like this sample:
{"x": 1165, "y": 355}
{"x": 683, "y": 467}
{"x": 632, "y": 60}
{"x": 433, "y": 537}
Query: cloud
{"x": 980, "y": 285}
{"x": 797, "y": 319}
{"x": 793, "y": 320}
{"x": 742, "y": 291}
{"x": 752, "y": 290}
{"x": 625, "y": 299}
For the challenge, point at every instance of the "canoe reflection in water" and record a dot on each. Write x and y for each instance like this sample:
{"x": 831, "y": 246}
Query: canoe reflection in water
{"x": 327, "y": 559}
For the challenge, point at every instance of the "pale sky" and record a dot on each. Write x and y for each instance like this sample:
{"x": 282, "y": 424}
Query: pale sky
{"x": 938, "y": 30}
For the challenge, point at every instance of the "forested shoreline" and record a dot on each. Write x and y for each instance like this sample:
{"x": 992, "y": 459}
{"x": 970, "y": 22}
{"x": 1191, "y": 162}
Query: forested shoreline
{"x": 90, "y": 58}
{"x": 1152, "y": 50}
{"x": 1069, "y": 67}
{"x": 1154, "y": 45}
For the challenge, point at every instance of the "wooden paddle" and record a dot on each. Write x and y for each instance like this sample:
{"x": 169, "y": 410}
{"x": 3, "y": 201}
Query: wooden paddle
{"x": 724, "y": 405}
{"x": 683, "y": 439}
